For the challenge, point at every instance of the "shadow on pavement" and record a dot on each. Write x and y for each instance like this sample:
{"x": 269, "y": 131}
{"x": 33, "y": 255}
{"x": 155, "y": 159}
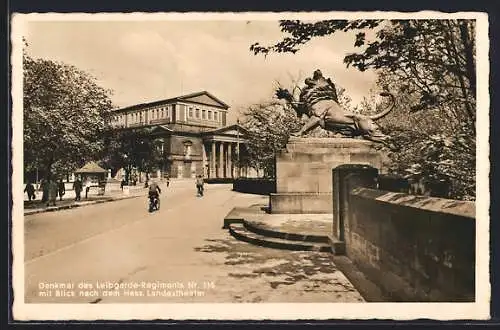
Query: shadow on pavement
{"x": 280, "y": 267}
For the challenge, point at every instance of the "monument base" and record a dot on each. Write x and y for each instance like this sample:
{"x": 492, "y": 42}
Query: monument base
{"x": 304, "y": 171}
{"x": 300, "y": 203}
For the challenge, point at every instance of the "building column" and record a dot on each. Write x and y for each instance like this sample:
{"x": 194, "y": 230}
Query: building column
{"x": 212, "y": 160}
{"x": 203, "y": 159}
{"x": 229, "y": 162}
{"x": 221, "y": 160}
{"x": 238, "y": 167}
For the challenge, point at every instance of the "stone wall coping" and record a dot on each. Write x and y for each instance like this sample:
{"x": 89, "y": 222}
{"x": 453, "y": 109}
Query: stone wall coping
{"x": 329, "y": 141}
{"x": 440, "y": 205}
{"x": 301, "y": 193}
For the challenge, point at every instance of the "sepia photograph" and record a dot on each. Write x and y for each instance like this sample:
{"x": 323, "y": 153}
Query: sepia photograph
{"x": 250, "y": 166}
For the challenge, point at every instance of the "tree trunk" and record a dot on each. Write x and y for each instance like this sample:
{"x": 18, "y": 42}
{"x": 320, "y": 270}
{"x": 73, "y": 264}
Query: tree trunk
{"x": 469, "y": 55}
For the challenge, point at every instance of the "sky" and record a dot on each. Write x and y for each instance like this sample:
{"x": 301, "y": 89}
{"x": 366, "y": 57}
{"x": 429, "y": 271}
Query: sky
{"x": 144, "y": 61}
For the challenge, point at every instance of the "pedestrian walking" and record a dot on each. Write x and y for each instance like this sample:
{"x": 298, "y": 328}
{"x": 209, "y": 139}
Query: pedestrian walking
{"x": 122, "y": 184}
{"x": 61, "y": 189}
{"x": 52, "y": 192}
{"x": 199, "y": 185}
{"x": 168, "y": 180}
{"x": 77, "y": 187}
{"x": 30, "y": 190}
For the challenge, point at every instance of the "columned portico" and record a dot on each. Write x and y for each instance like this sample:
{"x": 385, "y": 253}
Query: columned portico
{"x": 223, "y": 146}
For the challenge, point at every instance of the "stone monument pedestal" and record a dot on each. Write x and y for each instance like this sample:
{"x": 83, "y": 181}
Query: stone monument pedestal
{"x": 304, "y": 171}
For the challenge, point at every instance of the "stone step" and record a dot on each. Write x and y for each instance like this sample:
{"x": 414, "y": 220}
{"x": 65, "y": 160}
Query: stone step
{"x": 238, "y": 231}
{"x": 278, "y": 233}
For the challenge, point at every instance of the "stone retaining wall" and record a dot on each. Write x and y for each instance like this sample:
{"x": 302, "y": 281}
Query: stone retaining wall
{"x": 416, "y": 248}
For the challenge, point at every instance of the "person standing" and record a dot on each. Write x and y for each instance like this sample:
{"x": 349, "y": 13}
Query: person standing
{"x": 199, "y": 185}
{"x": 30, "y": 190}
{"x": 168, "y": 180}
{"x": 77, "y": 187}
{"x": 61, "y": 189}
{"x": 87, "y": 188}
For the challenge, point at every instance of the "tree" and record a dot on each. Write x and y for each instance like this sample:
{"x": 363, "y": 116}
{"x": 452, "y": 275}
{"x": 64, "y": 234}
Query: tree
{"x": 64, "y": 113}
{"x": 430, "y": 148}
{"x": 132, "y": 148}
{"x": 269, "y": 126}
{"x": 430, "y": 63}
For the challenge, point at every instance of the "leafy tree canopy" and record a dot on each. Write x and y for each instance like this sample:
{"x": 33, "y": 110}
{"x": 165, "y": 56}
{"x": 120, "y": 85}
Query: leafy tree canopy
{"x": 64, "y": 113}
{"x": 434, "y": 58}
{"x": 132, "y": 148}
{"x": 430, "y": 67}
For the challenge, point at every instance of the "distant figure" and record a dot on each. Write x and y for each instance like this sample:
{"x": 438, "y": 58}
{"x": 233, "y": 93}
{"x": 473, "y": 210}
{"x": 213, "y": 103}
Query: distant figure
{"x": 52, "y": 192}
{"x": 199, "y": 185}
{"x": 30, "y": 190}
{"x": 87, "y": 188}
{"x": 61, "y": 189}
{"x": 77, "y": 187}
{"x": 168, "y": 180}
{"x": 123, "y": 183}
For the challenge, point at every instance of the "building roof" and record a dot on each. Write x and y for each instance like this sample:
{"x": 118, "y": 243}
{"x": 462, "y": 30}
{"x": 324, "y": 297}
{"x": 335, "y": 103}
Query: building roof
{"x": 91, "y": 167}
{"x": 184, "y": 98}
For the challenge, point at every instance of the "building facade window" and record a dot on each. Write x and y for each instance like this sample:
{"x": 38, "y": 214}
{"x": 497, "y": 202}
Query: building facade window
{"x": 197, "y": 113}
{"x": 209, "y": 115}
{"x": 216, "y": 118}
{"x": 203, "y": 114}
{"x": 190, "y": 112}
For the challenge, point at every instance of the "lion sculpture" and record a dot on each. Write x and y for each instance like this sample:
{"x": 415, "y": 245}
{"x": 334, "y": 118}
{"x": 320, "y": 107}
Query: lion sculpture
{"x": 318, "y": 100}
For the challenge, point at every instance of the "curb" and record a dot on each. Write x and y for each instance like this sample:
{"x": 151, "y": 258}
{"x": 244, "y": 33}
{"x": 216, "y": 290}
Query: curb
{"x": 66, "y": 207}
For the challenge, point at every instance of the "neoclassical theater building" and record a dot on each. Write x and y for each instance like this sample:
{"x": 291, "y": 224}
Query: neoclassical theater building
{"x": 193, "y": 135}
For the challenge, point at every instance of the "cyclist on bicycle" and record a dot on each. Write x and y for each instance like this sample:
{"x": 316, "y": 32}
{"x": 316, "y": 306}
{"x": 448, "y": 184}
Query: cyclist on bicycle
{"x": 154, "y": 191}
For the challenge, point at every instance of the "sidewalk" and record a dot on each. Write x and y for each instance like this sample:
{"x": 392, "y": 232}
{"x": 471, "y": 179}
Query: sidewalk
{"x": 68, "y": 201}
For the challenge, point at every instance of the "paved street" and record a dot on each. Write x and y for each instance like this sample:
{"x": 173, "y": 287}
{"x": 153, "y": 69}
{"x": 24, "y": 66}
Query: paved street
{"x": 118, "y": 252}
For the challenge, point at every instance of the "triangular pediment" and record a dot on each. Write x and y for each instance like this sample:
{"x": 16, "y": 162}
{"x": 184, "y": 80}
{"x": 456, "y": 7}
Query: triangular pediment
{"x": 161, "y": 129}
{"x": 204, "y": 98}
{"x": 232, "y": 130}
